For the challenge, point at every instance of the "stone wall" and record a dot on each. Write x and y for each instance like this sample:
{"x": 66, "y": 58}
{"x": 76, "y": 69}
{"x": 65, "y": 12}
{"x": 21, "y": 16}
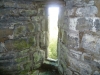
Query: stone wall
{"x": 79, "y": 38}
{"x": 23, "y": 33}
{"x": 23, "y": 37}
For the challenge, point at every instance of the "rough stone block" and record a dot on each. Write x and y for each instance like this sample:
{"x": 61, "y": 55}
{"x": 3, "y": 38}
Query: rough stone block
{"x": 60, "y": 68}
{"x": 75, "y": 54}
{"x": 42, "y": 39}
{"x": 26, "y": 5}
{"x": 91, "y": 43}
{"x": 67, "y": 72}
{"x": 97, "y": 61}
{"x": 6, "y": 63}
{"x": 71, "y": 12}
{"x": 8, "y": 56}
{"x": 28, "y": 12}
{"x": 21, "y": 5}
{"x": 84, "y": 24}
{"x": 87, "y": 11}
{"x": 97, "y": 24}
{"x": 30, "y": 27}
{"x": 75, "y": 73}
{"x": 43, "y": 25}
{"x": 14, "y": 19}
{"x": 1, "y": 3}
{"x": 22, "y": 59}
{"x": 20, "y": 31}
{"x": 79, "y": 3}
{"x": 97, "y": 3}
{"x": 74, "y": 64}
{"x": 35, "y": 72}
{"x": 6, "y": 31}
{"x": 2, "y": 49}
{"x": 73, "y": 42}
{"x": 9, "y": 4}
{"x": 96, "y": 73}
{"x": 87, "y": 57}
{"x": 73, "y": 33}
{"x": 9, "y": 45}
{"x": 64, "y": 37}
{"x": 72, "y": 23}
{"x": 41, "y": 11}
{"x": 35, "y": 18}
{"x": 38, "y": 58}
{"x": 85, "y": 69}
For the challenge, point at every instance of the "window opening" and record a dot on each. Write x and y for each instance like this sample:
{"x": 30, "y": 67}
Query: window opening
{"x": 53, "y": 31}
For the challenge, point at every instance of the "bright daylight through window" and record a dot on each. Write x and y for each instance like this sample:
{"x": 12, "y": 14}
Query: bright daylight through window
{"x": 53, "y": 31}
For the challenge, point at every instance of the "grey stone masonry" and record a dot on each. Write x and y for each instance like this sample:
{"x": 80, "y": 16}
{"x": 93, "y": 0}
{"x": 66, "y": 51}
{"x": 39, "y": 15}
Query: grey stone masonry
{"x": 79, "y": 38}
{"x": 21, "y": 49}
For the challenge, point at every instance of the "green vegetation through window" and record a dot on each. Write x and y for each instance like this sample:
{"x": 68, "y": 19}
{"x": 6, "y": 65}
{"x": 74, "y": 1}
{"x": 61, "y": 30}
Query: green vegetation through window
{"x": 53, "y": 31}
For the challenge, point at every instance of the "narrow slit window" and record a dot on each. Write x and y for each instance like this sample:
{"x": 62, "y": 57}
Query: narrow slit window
{"x": 53, "y": 31}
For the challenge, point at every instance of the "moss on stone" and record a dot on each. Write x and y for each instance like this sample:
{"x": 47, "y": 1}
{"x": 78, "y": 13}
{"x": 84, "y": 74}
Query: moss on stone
{"x": 31, "y": 41}
{"x": 37, "y": 57}
{"x": 22, "y": 59}
{"x": 21, "y": 44}
{"x": 24, "y": 72}
{"x": 24, "y": 51}
{"x": 27, "y": 66}
{"x": 30, "y": 27}
{"x": 35, "y": 72}
{"x": 19, "y": 30}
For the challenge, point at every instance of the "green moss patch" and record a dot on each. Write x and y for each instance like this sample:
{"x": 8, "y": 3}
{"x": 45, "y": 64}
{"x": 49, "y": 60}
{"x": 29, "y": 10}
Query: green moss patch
{"x": 21, "y": 44}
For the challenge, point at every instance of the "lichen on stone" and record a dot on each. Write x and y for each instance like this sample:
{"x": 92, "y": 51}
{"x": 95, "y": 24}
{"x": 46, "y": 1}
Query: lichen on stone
{"x": 20, "y": 31}
{"x": 21, "y": 44}
{"x": 30, "y": 27}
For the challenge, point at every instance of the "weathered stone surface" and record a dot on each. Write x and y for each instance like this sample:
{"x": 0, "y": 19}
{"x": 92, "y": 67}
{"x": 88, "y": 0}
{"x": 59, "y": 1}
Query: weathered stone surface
{"x": 20, "y": 31}
{"x": 73, "y": 42}
{"x": 97, "y": 2}
{"x": 38, "y": 58}
{"x": 79, "y": 3}
{"x": 35, "y": 73}
{"x": 1, "y": 3}
{"x": 79, "y": 50}
{"x": 84, "y": 24}
{"x": 45, "y": 73}
{"x": 6, "y": 31}
{"x": 28, "y": 12}
{"x": 85, "y": 69}
{"x": 68, "y": 72}
{"x": 30, "y": 27}
{"x": 72, "y": 23}
{"x": 9, "y": 45}
{"x": 20, "y": 21}
{"x": 87, "y": 57}
{"x": 96, "y": 73}
{"x": 63, "y": 37}
{"x": 91, "y": 43}
{"x": 60, "y": 68}
{"x": 75, "y": 73}
{"x": 9, "y": 4}
{"x": 41, "y": 11}
{"x": 97, "y": 24}
{"x": 75, "y": 54}
{"x": 87, "y": 11}
{"x": 81, "y": 37}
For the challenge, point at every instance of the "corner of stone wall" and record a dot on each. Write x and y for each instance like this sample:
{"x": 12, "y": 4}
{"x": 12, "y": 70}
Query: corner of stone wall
{"x": 22, "y": 36}
{"x": 79, "y": 38}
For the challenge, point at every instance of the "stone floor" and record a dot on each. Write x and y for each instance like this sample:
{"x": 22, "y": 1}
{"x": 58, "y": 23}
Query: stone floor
{"x": 46, "y": 69}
